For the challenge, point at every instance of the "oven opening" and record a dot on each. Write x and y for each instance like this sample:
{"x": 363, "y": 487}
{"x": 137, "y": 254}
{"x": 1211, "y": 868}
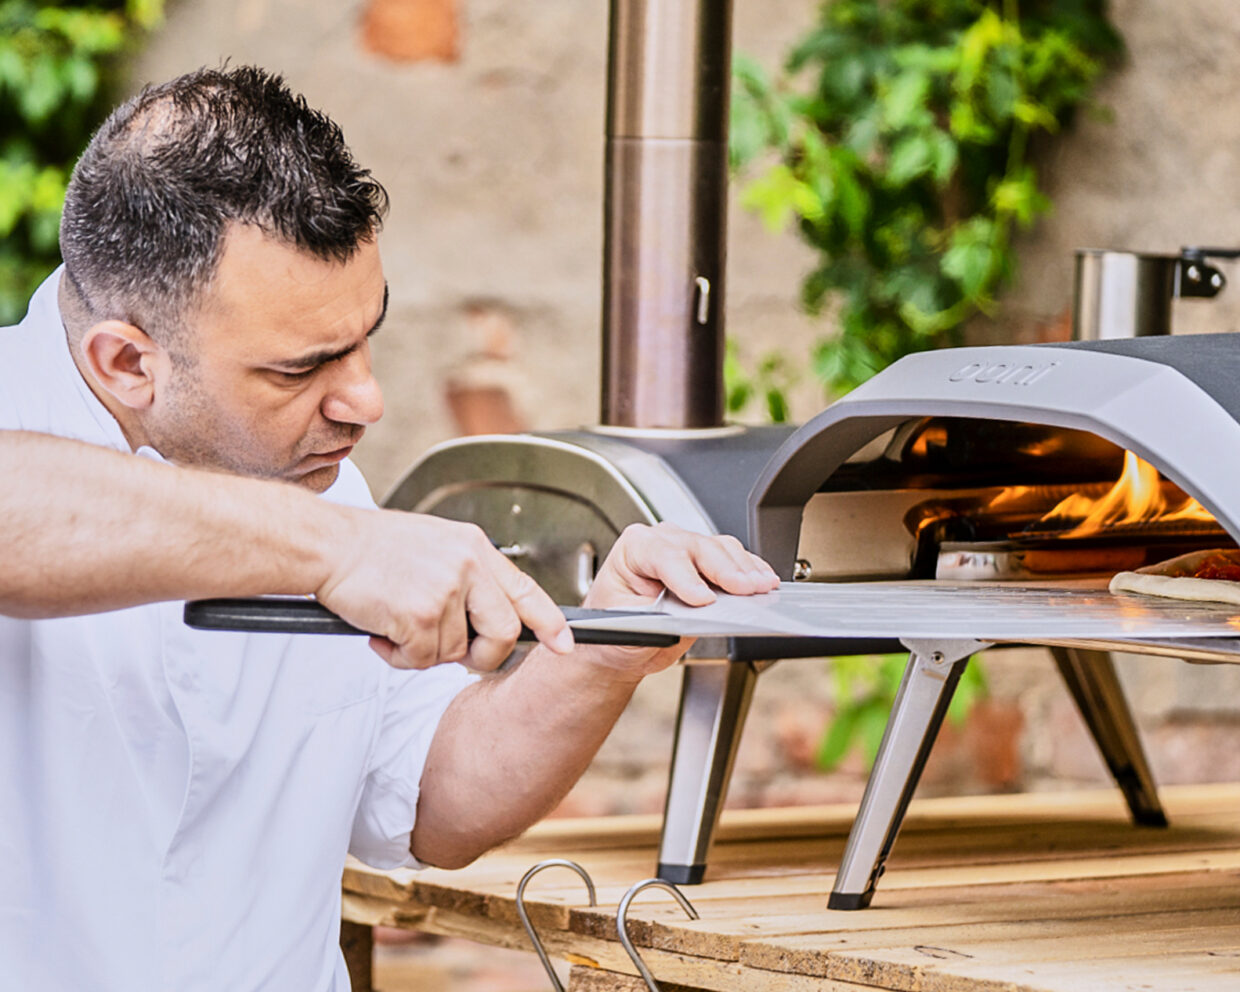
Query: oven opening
{"x": 985, "y": 500}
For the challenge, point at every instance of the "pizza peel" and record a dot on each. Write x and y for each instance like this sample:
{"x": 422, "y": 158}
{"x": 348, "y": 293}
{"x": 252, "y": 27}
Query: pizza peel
{"x": 1070, "y": 613}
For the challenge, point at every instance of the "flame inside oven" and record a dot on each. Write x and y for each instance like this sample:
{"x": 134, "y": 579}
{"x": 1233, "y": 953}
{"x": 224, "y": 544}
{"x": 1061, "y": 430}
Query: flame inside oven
{"x": 1138, "y": 497}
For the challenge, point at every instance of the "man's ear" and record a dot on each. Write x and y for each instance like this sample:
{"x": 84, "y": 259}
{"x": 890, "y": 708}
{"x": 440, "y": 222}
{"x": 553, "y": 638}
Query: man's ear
{"x": 123, "y": 359}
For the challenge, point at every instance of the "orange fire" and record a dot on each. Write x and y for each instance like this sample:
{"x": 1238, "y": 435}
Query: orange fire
{"x": 1136, "y": 498}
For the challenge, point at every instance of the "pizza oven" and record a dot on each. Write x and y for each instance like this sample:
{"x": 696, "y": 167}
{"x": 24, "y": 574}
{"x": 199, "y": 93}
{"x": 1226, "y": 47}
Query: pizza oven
{"x": 1054, "y": 464}
{"x": 966, "y": 465}
{"x": 1026, "y": 464}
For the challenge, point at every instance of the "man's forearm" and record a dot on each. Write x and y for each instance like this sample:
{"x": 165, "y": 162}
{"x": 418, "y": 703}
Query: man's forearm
{"x": 508, "y": 749}
{"x": 88, "y": 529}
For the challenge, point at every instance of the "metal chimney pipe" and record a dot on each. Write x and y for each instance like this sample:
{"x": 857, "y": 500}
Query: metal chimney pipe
{"x": 665, "y": 212}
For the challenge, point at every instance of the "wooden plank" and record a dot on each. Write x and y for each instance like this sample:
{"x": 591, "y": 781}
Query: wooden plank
{"x": 1203, "y": 829}
{"x": 725, "y": 928}
{"x": 1162, "y": 969}
{"x": 946, "y": 813}
{"x": 1199, "y": 847}
{"x": 909, "y": 953}
{"x": 583, "y": 979}
{"x": 667, "y": 967}
{"x": 1208, "y": 972}
{"x": 1020, "y": 894}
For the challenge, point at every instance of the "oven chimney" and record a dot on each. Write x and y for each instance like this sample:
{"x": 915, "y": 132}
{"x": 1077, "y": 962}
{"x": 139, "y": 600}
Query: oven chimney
{"x": 665, "y": 210}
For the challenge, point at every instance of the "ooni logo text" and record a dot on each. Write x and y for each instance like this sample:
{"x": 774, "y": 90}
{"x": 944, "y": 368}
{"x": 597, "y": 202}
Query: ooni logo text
{"x": 1012, "y": 373}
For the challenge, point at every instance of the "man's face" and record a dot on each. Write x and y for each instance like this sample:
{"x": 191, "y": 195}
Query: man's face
{"x": 272, "y": 377}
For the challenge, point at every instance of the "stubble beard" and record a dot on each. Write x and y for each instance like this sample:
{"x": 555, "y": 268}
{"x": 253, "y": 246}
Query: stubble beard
{"x": 196, "y": 432}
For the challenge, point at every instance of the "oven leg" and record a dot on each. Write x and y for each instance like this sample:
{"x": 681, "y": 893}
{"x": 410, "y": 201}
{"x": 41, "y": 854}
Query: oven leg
{"x": 934, "y": 669}
{"x": 1092, "y": 680}
{"x": 714, "y": 699}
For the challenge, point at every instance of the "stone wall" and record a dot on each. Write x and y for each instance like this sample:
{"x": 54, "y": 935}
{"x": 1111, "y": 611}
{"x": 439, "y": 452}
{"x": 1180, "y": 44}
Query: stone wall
{"x": 485, "y": 121}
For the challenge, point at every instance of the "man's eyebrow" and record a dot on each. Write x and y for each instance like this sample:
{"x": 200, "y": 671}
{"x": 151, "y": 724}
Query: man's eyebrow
{"x": 317, "y": 358}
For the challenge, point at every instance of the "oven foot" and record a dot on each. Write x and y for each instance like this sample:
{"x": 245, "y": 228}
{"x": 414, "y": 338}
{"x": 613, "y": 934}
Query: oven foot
{"x": 1094, "y": 684}
{"x": 714, "y": 699}
{"x": 934, "y": 669}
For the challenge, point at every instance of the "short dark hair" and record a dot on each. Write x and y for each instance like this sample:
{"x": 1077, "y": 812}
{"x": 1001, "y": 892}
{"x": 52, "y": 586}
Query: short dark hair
{"x": 152, "y": 196}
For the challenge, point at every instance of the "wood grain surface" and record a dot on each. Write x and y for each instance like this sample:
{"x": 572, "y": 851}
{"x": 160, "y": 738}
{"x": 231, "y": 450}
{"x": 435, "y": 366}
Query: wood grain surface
{"x": 1036, "y": 893}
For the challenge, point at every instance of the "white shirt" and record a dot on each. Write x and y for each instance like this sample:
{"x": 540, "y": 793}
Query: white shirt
{"x": 175, "y": 805}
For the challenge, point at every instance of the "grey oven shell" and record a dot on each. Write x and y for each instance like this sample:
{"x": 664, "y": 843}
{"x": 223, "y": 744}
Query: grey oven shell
{"x": 1173, "y": 401}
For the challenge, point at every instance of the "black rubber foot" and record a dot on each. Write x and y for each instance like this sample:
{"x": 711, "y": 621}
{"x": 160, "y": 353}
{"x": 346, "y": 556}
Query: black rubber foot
{"x": 850, "y": 900}
{"x": 682, "y": 874}
{"x": 1150, "y": 818}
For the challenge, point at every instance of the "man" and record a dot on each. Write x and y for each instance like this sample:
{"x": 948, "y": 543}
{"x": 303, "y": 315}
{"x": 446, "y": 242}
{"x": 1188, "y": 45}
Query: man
{"x": 177, "y": 804}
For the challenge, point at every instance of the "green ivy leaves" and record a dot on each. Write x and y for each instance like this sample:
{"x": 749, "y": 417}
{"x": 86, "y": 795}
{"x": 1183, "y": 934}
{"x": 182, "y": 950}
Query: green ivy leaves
{"x": 56, "y": 60}
{"x": 864, "y": 688}
{"x": 898, "y": 144}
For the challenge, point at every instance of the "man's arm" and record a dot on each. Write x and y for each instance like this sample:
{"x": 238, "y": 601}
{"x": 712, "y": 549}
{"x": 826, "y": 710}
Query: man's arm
{"x": 510, "y": 747}
{"x": 87, "y": 529}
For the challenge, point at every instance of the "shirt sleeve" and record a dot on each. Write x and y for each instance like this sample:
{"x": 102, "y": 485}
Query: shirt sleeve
{"x": 414, "y": 703}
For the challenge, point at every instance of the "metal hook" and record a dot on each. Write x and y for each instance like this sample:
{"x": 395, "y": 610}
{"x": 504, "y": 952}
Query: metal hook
{"x": 525, "y": 919}
{"x": 622, "y": 923}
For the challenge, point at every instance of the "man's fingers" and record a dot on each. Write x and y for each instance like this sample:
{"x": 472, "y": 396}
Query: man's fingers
{"x": 671, "y": 564}
{"x": 385, "y": 649}
{"x": 453, "y": 630}
{"x": 534, "y": 608}
{"x": 486, "y": 654}
{"x": 748, "y": 562}
{"x": 687, "y": 563}
{"x": 732, "y": 568}
{"x": 495, "y": 620}
{"x": 417, "y": 651}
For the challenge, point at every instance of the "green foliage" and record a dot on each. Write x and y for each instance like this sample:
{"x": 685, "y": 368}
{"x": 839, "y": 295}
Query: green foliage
{"x": 899, "y": 141}
{"x": 771, "y": 380}
{"x": 57, "y": 65}
{"x": 865, "y": 688}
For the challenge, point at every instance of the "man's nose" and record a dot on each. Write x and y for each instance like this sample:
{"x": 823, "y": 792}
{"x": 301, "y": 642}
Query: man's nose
{"x": 354, "y": 396}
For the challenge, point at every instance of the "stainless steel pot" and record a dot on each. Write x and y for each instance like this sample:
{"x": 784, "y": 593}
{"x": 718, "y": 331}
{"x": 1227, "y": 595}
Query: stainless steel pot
{"x": 1123, "y": 294}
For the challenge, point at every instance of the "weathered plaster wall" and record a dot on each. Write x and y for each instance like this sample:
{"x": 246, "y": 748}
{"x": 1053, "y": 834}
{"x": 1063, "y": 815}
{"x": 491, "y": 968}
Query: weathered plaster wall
{"x": 1158, "y": 172}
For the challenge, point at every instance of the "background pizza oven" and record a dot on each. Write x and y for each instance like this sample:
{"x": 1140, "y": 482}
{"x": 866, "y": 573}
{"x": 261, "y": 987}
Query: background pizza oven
{"x": 948, "y": 466}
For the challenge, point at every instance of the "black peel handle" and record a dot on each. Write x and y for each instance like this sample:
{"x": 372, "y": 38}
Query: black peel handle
{"x": 295, "y": 615}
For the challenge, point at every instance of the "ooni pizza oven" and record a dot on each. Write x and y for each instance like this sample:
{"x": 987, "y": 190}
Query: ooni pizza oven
{"x": 1040, "y": 464}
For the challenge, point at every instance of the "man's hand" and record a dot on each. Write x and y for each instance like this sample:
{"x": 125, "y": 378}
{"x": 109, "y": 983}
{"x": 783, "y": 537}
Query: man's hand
{"x": 414, "y": 579}
{"x": 508, "y": 749}
{"x": 646, "y": 560}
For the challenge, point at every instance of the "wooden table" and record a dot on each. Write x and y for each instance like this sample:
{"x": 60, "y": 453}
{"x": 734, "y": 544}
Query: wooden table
{"x": 1014, "y": 893}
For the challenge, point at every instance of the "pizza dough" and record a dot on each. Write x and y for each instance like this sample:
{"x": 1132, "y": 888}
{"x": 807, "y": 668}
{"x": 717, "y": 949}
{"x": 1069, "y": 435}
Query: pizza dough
{"x": 1181, "y": 578}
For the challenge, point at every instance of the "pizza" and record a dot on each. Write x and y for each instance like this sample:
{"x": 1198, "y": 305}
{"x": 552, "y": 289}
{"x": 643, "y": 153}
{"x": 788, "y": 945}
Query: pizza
{"x": 1207, "y": 576}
